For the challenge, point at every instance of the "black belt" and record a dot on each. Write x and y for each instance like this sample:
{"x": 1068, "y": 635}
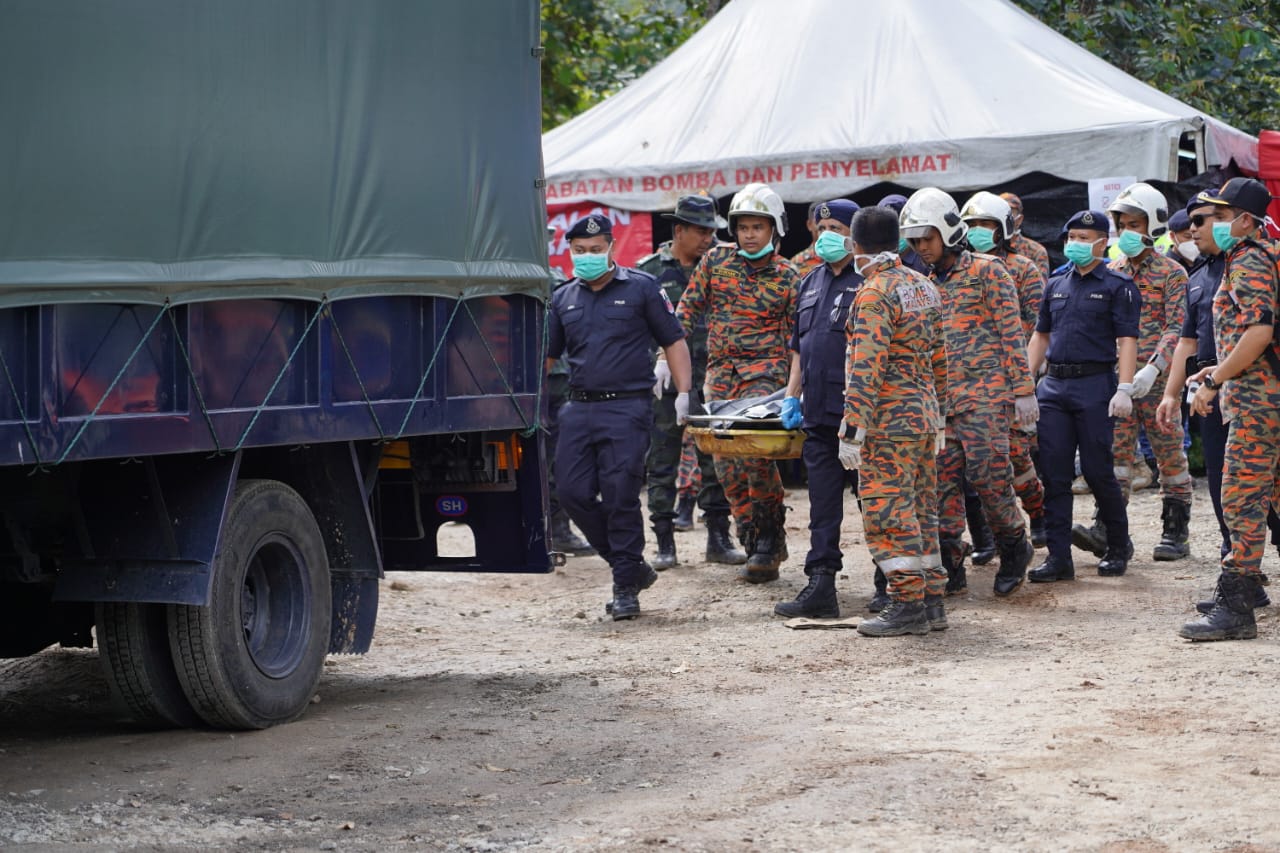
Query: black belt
{"x": 1075, "y": 371}
{"x": 600, "y": 396}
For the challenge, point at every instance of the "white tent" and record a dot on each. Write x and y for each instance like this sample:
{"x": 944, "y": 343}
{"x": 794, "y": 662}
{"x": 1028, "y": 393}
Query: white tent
{"x": 821, "y": 98}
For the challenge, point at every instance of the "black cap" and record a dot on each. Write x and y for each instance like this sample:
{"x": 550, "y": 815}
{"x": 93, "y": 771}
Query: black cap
{"x": 1092, "y": 220}
{"x": 1247, "y": 194}
{"x": 699, "y": 210}
{"x": 592, "y": 225}
{"x": 1179, "y": 221}
{"x": 1202, "y": 198}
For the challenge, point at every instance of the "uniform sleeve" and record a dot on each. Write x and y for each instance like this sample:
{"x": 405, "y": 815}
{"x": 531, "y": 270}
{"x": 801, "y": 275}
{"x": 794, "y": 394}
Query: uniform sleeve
{"x": 661, "y": 315}
{"x": 555, "y": 331}
{"x": 1189, "y": 329}
{"x": 1126, "y": 307}
{"x": 1252, "y": 279}
{"x": 1003, "y": 299}
{"x": 793, "y": 341}
{"x": 867, "y": 355}
{"x": 1044, "y": 319}
{"x": 1030, "y": 291}
{"x": 792, "y": 301}
{"x": 693, "y": 304}
{"x": 1175, "y": 313}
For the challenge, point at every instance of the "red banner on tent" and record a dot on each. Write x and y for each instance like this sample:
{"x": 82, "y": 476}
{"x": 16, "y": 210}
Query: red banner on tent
{"x": 1269, "y": 172}
{"x": 632, "y": 233}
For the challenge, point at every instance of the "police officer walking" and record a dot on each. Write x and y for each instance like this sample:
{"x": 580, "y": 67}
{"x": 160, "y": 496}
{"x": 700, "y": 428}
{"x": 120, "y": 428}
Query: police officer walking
{"x": 1088, "y": 323}
{"x": 693, "y": 231}
{"x": 1247, "y": 376}
{"x": 896, "y": 374}
{"x": 606, "y": 319}
{"x": 818, "y": 347}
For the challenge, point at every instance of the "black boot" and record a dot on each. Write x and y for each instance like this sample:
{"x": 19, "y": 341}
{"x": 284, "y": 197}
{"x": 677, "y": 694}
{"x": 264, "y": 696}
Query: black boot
{"x": 720, "y": 547}
{"x": 762, "y": 565}
{"x": 1232, "y": 616}
{"x": 900, "y": 617}
{"x": 648, "y": 578}
{"x": 1116, "y": 560}
{"x": 984, "y": 541}
{"x": 684, "y": 512}
{"x": 1092, "y": 539}
{"x": 1039, "y": 536}
{"x": 1015, "y": 555}
{"x": 935, "y": 612}
{"x": 817, "y": 600}
{"x": 1260, "y": 597}
{"x": 1052, "y": 569}
{"x": 1173, "y": 541}
{"x": 664, "y": 532}
{"x": 625, "y": 604}
{"x": 957, "y": 583}
{"x": 881, "y": 599}
{"x": 565, "y": 540}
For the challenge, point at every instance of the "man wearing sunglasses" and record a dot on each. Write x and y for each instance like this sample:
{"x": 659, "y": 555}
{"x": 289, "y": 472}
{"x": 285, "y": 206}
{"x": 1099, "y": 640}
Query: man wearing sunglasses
{"x": 1246, "y": 383}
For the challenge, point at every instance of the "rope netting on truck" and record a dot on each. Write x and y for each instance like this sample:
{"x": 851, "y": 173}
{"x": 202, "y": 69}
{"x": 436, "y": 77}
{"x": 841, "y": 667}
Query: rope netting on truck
{"x": 323, "y": 309}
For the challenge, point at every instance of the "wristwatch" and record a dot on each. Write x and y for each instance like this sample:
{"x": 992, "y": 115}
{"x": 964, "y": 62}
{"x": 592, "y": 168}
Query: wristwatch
{"x": 1210, "y": 383}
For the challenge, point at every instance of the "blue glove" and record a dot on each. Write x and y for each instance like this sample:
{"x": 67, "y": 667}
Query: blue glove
{"x": 791, "y": 412}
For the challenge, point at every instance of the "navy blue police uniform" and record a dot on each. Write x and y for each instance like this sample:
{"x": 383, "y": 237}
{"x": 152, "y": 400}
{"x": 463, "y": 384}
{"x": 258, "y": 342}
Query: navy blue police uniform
{"x": 1205, "y": 276}
{"x": 820, "y": 338}
{"x": 1083, "y": 314}
{"x": 608, "y": 338}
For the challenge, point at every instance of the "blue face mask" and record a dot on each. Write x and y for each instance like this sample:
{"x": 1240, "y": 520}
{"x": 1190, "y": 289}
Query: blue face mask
{"x": 830, "y": 247}
{"x": 755, "y": 256}
{"x": 1079, "y": 253}
{"x": 1222, "y": 236}
{"x": 982, "y": 239}
{"x": 1131, "y": 244}
{"x": 903, "y": 245}
{"x": 590, "y": 267}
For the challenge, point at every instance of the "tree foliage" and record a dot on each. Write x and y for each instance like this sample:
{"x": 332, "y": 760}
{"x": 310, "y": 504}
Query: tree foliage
{"x": 1220, "y": 56}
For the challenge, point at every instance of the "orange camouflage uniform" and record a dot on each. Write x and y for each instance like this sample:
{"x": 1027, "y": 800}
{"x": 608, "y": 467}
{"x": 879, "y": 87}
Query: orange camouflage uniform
{"x": 987, "y": 369}
{"x": 749, "y": 314}
{"x": 895, "y": 378}
{"x": 1020, "y": 244}
{"x": 1250, "y": 403}
{"x": 1030, "y": 286}
{"x": 806, "y": 262}
{"x": 1162, "y": 283}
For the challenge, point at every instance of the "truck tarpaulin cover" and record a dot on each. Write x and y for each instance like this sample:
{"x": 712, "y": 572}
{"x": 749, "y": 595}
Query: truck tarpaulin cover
{"x": 190, "y": 150}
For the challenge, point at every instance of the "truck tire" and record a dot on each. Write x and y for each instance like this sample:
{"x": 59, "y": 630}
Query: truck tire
{"x": 252, "y": 658}
{"x": 133, "y": 643}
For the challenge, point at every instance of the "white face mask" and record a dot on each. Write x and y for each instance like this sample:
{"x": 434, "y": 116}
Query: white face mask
{"x": 872, "y": 260}
{"x": 1189, "y": 250}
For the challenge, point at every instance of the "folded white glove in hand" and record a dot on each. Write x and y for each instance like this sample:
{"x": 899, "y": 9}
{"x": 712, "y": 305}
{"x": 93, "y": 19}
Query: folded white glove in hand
{"x": 663, "y": 372}
{"x": 1121, "y": 405}
{"x": 682, "y": 408}
{"x": 1145, "y": 380}
{"x": 851, "y": 450}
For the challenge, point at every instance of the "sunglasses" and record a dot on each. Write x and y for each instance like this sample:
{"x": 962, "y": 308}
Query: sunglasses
{"x": 1199, "y": 219}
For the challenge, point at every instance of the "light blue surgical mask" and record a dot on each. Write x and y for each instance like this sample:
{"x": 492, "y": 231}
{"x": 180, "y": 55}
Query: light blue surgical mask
{"x": 590, "y": 267}
{"x": 1222, "y": 236}
{"x": 982, "y": 239}
{"x": 1131, "y": 244}
{"x": 903, "y": 245}
{"x": 755, "y": 256}
{"x": 831, "y": 247}
{"x": 1079, "y": 252}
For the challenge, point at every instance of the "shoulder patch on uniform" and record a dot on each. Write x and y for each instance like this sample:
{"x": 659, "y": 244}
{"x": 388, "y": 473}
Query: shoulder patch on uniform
{"x": 671, "y": 309}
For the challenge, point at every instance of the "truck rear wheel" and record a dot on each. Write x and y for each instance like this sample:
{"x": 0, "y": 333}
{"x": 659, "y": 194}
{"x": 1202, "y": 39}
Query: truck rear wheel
{"x": 252, "y": 658}
{"x": 133, "y": 642}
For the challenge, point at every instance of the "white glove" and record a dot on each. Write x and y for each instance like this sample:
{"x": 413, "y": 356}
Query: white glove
{"x": 1026, "y": 410}
{"x": 1121, "y": 405}
{"x": 682, "y": 408}
{"x": 1144, "y": 380}
{"x": 663, "y": 372}
{"x": 940, "y": 441}
{"x": 851, "y": 451}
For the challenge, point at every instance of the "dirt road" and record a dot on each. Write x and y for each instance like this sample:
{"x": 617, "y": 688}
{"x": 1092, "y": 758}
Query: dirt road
{"x": 504, "y": 713}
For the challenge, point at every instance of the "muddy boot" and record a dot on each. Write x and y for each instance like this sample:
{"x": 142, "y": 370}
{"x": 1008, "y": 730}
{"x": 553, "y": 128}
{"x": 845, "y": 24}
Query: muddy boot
{"x": 664, "y": 532}
{"x": 565, "y": 540}
{"x": 984, "y": 542}
{"x": 817, "y": 600}
{"x": 1092, "y": 539}
{"x": 1260, "y": 597}
{"x": 1173, "y": 541}
{"x": 720, "y": 547}
{"x": 957, "y": 583}
{"x": 881, "y": 599}
{"x": 900, "y": 617}
{"x": 762, "y": 565}
{"x": 747, "y": 536}
{"x": 684, "y": 512}
{"x": 1039, "y": 536}
{"x": 625, "y": 604}
{"x": 935, "y": 612}
{"x": 1015, "y": 555}
{"x": 648, "y": 579}
{"x": 1232, "y": 615}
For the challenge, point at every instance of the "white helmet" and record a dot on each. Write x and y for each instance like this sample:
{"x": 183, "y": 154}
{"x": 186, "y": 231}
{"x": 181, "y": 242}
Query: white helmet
{"x": 759, "y": 200}
{"x": 1144, "y": 200}
{"x": 932, "y": 208}
{"x": 985, "y": 205}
